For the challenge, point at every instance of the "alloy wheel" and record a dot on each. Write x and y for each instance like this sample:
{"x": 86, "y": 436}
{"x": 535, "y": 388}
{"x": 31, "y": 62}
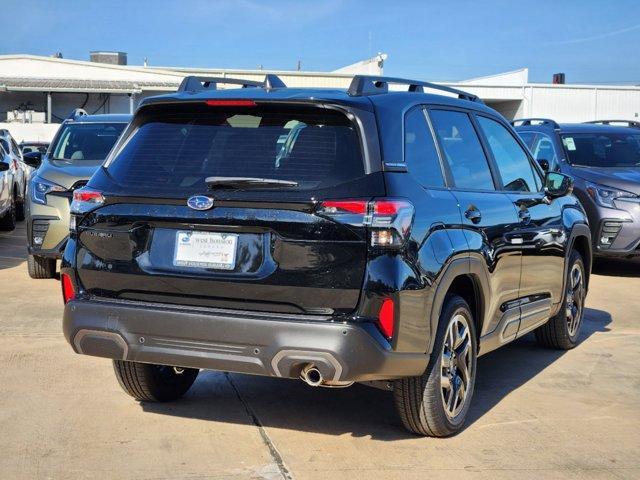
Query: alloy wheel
{"x": 575, "y": 299}
{"x": 456, "y": 365}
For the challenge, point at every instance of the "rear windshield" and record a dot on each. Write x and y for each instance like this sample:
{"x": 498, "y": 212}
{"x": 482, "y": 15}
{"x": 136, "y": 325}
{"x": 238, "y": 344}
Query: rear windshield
{"x": 603, "y": 149}
{"x": 79, "y": 142}
{"x": 175, "y": 148}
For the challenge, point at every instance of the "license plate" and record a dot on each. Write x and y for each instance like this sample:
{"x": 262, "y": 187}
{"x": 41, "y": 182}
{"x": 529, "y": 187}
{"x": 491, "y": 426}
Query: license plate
{"x": 206, "y": 250}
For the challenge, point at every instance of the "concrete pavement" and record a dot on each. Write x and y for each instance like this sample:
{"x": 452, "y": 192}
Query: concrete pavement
{"x": 536, "y": 413}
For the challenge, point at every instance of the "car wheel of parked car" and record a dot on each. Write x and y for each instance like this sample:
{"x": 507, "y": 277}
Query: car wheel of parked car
{"x": 563, "y": 330}
{"x": 154, "y": 383}
{"x": 41, "y": 267}
{"x": 436, "y": 403}
{"x": 8, "y": 221}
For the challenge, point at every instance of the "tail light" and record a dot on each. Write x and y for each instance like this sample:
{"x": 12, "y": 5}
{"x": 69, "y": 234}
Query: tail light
{"x": 68, "y": 291}
{"x": 389, "y": 219}
{"x": 230, "y": 103}
{"x": 386, "y": 318}
{"x": 85, "y": 200}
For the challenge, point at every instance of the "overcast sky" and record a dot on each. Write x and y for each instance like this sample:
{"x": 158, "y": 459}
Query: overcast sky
{"x": 589, "y": 40}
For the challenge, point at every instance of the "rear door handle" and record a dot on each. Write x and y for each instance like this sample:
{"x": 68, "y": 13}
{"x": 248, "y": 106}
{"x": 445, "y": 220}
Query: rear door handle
{"x": 473, "y": 214}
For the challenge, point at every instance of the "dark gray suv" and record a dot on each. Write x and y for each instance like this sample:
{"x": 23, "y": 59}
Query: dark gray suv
{"x": 603, "y": 157}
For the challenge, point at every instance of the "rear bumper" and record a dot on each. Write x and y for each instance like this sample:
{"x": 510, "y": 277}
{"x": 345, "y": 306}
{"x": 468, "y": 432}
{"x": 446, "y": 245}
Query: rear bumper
{"x": 236, "y": 341}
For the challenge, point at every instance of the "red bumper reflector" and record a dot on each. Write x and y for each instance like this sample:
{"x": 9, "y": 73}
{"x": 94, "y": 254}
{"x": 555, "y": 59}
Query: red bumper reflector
{"x": 68, "y": 292}
{"x": 230, "y": 103}
{"x": 386, "y": 319}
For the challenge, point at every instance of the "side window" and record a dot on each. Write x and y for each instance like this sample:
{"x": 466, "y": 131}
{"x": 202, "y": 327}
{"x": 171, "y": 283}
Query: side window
{"x": 512, "y": 161}
{"x": 420, "y": 152}
{"x": 462, "y": 149}
{"x": 528, "y": 138}
{"x": 543, "y": 149}
{"x": 5, "y": 145}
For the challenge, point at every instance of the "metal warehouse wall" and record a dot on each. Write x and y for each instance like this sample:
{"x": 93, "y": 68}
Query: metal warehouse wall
{"x": 579, "y": 104}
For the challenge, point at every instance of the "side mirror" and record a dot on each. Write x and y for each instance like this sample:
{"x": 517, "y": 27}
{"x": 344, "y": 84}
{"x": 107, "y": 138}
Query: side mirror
{"x": 33, "y": 159}
{"x": 544, "y": 164}
{"x": 557, "y": 184}
{"x": 4, "y": 166}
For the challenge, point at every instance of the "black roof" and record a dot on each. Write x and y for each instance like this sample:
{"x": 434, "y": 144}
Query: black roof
{"x": 329, "y": 95}
{"x": 197, "y": 89}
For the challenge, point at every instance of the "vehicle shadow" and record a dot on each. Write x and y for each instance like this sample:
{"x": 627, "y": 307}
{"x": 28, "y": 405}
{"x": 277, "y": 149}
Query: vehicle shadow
{"x": 617, "y": 267}
{"x": 13, "y": 247}
{"x": 359, "y": 410}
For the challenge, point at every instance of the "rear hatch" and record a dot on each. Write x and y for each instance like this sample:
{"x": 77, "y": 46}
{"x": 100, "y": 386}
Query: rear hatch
{"x": 176, "y": 227}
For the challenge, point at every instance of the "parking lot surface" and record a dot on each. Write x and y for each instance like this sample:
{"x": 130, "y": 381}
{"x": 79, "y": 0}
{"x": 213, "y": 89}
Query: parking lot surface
{"x": 536, "y": 413}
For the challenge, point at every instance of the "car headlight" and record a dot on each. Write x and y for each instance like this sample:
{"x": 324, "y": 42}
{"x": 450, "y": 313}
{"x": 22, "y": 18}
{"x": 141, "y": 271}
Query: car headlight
{"x": 606, "y": 196}
{"x": 40, "y": 187}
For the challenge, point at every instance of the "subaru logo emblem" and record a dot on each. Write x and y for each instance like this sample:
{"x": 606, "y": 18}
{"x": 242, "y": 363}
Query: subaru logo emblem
{"x": 200, "y": 202}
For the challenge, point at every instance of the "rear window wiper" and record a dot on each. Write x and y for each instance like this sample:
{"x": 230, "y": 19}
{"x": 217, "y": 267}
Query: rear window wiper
{"x": 248, "y": 182}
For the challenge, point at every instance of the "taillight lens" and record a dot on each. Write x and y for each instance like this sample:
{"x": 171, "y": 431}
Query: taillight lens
{"x": 389, "y": 219}
{"x": 386, "y": 318}
{"x": 358, "y": 207}
{"x": 85, "y": 200}
{"x": 68, "y": 291}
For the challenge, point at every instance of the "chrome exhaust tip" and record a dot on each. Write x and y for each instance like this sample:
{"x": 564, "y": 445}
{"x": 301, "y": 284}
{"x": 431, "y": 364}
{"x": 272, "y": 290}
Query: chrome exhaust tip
{"x": 311, "y": 375}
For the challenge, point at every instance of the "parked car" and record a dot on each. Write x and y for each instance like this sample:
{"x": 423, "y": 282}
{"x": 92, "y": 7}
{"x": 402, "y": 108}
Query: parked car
{"x": 78, "y": 148}
{"x": 19, "y": 172}
{"x": 329, "y": 235}
{"x": 8, "y": 191}
{"x": 603, "y": 157}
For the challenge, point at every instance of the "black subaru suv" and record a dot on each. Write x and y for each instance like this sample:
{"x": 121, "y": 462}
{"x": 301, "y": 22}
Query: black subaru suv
{"x": 335, "y": 236}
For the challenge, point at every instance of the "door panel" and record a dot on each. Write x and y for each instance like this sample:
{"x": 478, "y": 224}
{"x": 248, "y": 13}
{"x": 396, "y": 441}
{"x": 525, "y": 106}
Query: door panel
{"x": 542, "y": 245}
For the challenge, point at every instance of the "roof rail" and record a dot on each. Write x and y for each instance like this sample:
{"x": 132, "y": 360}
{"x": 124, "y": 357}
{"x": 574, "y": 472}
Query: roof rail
{"x": 539, "y": 121}
{"x": 198, "y": 84}
{"x": 362, "y": 85}
{"x": 628, "y": 123}
{"x": 77, "y": 113}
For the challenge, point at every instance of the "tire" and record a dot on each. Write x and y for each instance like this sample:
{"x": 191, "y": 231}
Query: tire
{"x": 8, "y": 220}
{"x": 153, "y": 383}
{"x": 420, "y": 401}
{"x": 563, "y": 330}
{"x": 41, "y": 267}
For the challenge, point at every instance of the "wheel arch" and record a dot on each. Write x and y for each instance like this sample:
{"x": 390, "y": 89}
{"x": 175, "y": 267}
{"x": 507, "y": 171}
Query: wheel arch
{"x": 580, "y": 241}
{"x": 467, "y": 278}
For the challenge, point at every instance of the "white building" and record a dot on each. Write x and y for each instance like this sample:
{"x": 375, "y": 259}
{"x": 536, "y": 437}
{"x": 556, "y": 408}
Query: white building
{"x": 37, "y": 92}
{"x": 512, "y": 95}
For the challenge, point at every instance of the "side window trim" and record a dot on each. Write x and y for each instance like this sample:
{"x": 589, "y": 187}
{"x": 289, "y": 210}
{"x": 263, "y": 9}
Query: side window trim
{"x": 532, "y": 163}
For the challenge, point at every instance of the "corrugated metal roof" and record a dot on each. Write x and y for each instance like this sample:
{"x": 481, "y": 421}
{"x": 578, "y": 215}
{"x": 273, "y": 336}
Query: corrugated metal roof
{"x": 76, "y": 85}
